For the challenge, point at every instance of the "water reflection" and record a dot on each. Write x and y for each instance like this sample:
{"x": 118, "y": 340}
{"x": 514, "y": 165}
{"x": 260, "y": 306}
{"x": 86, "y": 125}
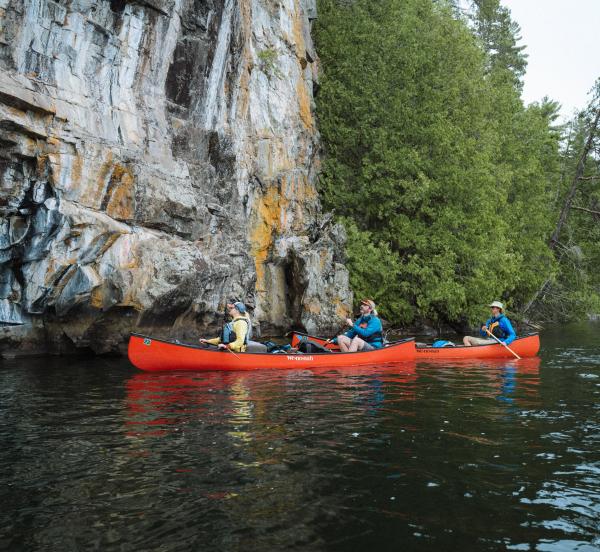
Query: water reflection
{"x": 163, "y": 400}
{"x": 254, "y": 447}
{"x": 494, "y": 455}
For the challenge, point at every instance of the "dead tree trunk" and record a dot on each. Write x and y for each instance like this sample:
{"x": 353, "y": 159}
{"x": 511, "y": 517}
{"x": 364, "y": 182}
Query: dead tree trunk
{"x": 567, "y": 206}
{"x": 578, "y": 175}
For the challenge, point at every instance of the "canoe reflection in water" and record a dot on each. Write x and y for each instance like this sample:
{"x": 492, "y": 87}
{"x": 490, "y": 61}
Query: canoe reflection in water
{"x": 159, "y": 402}
{"x": 500, "y": 378}
{"x": 254, "y": 450}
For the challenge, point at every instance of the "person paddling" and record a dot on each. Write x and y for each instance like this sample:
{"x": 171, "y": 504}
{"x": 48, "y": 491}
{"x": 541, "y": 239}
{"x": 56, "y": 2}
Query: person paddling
{"x": 366, "y": 334}
{"x": 235, "y": 334}
{"x": 498, "y": 325}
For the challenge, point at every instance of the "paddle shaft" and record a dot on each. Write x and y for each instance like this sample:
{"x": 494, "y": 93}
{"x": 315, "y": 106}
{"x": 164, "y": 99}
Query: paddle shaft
{"x": 341, "y": 330}
{"x": 228, "y": 349}
{"x": 337, "y": 333}
{"x": 502, "y": 343}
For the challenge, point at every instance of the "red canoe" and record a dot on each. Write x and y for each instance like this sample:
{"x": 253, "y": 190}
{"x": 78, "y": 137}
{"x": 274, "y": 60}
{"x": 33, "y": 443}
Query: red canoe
{"x": 526, "y": 346}
{"x": 157, "y": 355}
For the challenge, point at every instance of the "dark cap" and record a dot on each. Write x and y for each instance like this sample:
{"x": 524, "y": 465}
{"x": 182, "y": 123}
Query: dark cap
{"x": 240, "y": 306}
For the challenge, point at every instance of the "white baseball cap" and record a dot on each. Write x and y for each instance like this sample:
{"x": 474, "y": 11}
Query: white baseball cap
{"x": 496, "y": 304}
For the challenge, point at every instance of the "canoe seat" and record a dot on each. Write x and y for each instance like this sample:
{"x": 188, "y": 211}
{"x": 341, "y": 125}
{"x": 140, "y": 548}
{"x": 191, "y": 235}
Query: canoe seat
{"x": 256, "y": 347}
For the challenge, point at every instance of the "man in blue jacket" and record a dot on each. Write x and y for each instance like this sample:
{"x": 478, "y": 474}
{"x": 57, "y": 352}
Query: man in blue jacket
{"x": 498, "y": 325}
{"x": 365, "y": 334}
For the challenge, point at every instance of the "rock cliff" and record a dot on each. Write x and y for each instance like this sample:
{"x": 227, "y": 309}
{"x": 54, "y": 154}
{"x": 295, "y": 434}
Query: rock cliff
{"x": 157, "y": 157}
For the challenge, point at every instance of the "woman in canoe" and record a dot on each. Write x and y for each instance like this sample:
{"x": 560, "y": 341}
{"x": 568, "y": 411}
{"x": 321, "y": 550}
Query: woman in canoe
{"x": 236, "y": 333}
{"x": 366, "y": 334}
{"x": 498, "y": 325}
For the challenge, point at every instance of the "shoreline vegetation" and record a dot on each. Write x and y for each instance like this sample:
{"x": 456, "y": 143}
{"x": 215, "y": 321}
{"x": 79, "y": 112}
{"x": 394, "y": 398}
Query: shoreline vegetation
{"x": 452, "y": 191}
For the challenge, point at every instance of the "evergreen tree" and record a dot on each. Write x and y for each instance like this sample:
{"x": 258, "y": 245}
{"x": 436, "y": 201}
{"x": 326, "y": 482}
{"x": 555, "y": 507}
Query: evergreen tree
{"x": 439, "y": 172}
{"x": 500, "y": 35}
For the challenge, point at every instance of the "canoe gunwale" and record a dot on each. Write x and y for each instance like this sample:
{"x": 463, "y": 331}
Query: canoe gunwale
{"x": 524, "y": 336}
{"x": 220, "y": 351}
{"x": 526, "y": 345}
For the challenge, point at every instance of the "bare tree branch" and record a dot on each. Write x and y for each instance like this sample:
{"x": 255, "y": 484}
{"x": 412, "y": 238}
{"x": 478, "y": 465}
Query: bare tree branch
{"x": 586, "y": 210}
{"x": 578, "y": 174}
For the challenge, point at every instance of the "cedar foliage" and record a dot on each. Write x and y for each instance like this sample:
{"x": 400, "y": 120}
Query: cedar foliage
{"x": 442, "y": 177}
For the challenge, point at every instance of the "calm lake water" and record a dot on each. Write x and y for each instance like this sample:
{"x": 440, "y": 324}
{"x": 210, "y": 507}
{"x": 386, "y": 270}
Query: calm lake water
{"x": 95, "y": 455}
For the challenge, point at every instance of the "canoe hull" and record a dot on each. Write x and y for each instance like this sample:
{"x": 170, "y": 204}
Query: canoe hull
{"x": 527, "y": 346}
{"x": 156, "y": 355}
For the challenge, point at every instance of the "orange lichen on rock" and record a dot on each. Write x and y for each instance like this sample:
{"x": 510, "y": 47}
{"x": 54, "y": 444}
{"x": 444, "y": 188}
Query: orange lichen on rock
{"x": 323, "y": 258}
{"x": 97, "y": 194}
{"x": 76, "y": 171}
{"x": 304, "y": 107}
{"x": 41, "y": 163}
{"x": 119, "y": 201}
{"x": 312, "y": 307}
{"x": 304, "y": 102}
{"x": 55, "y": 168}
{"x": 341, "y": 309}
{"x": 243, "y": 86}
{"x": 278, "y": 212}
{"x": 305, "y": 194}
{"x": 298, "y": 34}
{"x": 267, "y": 224}
{"x": 97, "y": 300}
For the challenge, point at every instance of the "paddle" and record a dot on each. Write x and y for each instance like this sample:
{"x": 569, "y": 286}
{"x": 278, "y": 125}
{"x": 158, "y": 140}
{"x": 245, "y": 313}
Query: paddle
{"x": 502, "y": 343}
{"x": 339, "y": 332}
{"x": 228, "y": 349}
{"x": 209, "y": 345}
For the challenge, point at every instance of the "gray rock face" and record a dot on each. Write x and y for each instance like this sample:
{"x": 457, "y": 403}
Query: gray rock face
{"x": 156, "y": 158}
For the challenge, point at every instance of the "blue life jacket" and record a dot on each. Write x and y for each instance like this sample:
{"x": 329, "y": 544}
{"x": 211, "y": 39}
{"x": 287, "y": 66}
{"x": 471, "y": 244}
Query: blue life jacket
{"x": 493, "y": 325}
{"x": 369, "y": 329}
{"x": 228, "y": 333}
{"x": 501, "y": 328}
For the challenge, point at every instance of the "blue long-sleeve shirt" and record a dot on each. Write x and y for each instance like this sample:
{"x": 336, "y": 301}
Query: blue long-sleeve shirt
{"x": 369, "y": 329}
{"x": 509, "y": 334}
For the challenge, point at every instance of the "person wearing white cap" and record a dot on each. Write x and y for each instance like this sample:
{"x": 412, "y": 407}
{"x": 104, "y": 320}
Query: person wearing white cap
{"x": 498, "y": 324}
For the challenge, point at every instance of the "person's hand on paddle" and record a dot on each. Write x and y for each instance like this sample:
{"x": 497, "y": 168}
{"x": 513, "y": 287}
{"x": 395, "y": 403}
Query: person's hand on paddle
{"x": 484, "y": 328}
{"x": 349, "y": 322}
{"x": 202, "y": 340}
{"x": 223, "y": 346}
